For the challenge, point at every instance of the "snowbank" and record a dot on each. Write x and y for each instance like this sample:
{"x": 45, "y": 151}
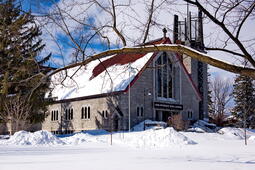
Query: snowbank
{"x": 77, "y": 139}
{"x": 252, "y": 138}
{"x": 203, "y": 126}
{"x": 37, "y": 138}
{"x": 155, "y": 139}
{"x": 4, "y": 136}
{"x": 236, "y": 133}
{"x": 149, "y": 124}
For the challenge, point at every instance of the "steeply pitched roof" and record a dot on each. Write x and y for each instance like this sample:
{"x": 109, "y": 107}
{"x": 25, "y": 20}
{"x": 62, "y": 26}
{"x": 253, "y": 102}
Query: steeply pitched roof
{"x": 111, "y": 74}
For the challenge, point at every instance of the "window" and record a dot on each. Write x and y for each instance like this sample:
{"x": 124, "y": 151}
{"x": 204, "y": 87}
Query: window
{"x": 190, "y": 114}
{"x": 54, "y": 115}
{"x": 82, "y": 113}
{"x": 105, "y": 114}
{"x": 85, "y": 112}
{"x": 69, "y": 114}
{"x": 139, "y": 111}
{"x": 164, "y": 76}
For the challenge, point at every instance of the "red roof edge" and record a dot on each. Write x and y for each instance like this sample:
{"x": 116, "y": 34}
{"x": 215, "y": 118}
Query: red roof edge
{"x": 165, "y": 41}
{"x": 189, "y": 77}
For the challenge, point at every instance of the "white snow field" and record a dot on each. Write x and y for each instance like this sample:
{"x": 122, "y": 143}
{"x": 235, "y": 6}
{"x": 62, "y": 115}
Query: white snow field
{"x": 142, "y": 150}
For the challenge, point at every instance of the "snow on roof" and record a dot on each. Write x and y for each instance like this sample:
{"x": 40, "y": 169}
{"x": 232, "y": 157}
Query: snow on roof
{"x": 111, "y": 74}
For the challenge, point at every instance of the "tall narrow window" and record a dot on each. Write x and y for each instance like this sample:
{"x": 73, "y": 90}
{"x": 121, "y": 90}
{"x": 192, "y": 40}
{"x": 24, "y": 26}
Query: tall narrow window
{"x": 159, "y": 78}
{"x": 164, "y": 76}
{"x": 89, "y": 112}
{"x": 138, "y": 111}
{"x": 86, "y": 113}
{"x": 52, "y": 118}
{"x": 141, "y": 111}
{"x": 69, "y": 114}
{"x": 106, "y": 114}
{"x": 82, "y": 113}
{"x": 103, "y": 114}
{"x": 170, "y": 79}
{"x": 57, "y": 115}
{"x": 54, "y": 115}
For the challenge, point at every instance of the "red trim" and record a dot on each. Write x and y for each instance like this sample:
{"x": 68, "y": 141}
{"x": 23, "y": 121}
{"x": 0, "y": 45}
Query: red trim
{"x": 127, "y": 58}
{"x": 140, "y": 72}
{"x": 167, "y": 41}
{"x": 189, "y": 77}
{"x": 122, "y": 59}
{"x": 164, "y": 41}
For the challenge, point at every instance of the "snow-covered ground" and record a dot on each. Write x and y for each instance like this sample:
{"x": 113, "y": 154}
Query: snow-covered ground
{"x": 150, "y": 149}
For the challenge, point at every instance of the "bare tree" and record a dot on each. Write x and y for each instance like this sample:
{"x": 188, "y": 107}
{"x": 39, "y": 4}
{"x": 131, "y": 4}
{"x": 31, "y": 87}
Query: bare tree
{"x": 16, "y": 113}
{"x": 231, "y": 18}
{"x": 221, "y": 91}
{"x": 81, "y": 23}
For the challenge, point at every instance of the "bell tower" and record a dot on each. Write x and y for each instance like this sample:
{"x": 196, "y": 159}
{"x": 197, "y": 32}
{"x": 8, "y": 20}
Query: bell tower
{"x": 189, "y": 32}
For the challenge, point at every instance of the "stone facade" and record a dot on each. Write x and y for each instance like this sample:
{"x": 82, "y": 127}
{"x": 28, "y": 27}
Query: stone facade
{"x": 144, "y": 103}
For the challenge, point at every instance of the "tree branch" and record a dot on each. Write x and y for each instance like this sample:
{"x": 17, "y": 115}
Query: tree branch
{"x": 173, "y": 48}
{"x": 149, "y": 21}
{"x": 224, "y": 50}
{"x": 115, "y": 27}
{"x": 244, "y": 19}
{"x": 225, "y": 29}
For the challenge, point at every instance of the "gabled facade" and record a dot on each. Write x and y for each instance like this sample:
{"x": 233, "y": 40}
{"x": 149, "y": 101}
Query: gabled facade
{"x": 122, "y": 90}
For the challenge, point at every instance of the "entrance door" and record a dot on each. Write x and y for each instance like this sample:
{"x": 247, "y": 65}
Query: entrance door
{"x": 157, "y": 115}
{"x": 166, "y": 115}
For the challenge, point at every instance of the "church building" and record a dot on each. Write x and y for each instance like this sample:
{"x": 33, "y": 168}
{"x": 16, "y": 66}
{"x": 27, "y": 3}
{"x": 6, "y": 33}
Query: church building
{"x": 119, "y": 91}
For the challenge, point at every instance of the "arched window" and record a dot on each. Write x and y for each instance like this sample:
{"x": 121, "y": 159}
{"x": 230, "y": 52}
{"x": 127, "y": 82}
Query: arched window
{"x": 69, "y": 114}
{"x": 85, "y": 112}
{"x": 139, "y": 111}
{"x": 54, "y": 115}
{"x": 164, "y": 76}
{"x": 190, "y": 114}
